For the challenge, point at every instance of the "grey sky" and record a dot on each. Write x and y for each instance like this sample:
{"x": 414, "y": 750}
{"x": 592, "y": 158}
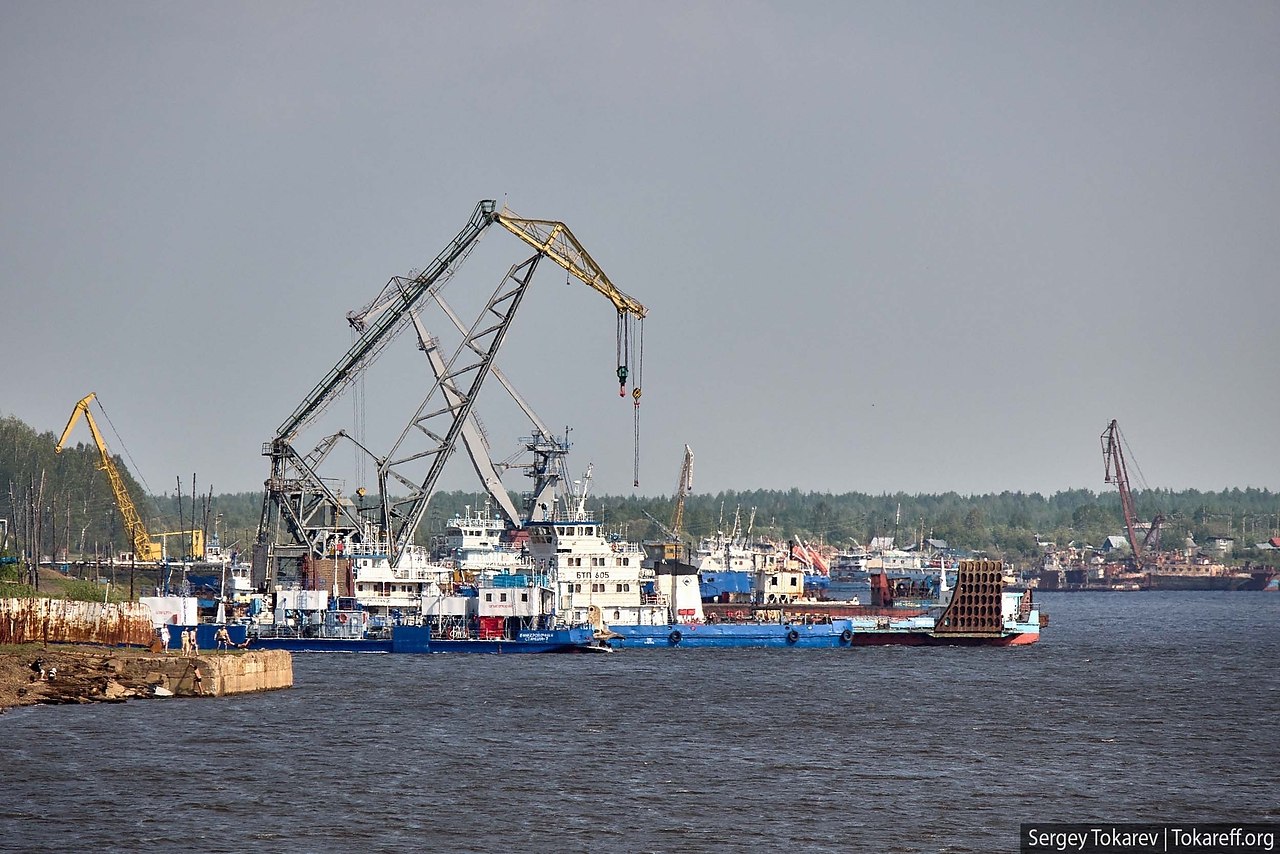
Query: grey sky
{"x": 884, "y": 246}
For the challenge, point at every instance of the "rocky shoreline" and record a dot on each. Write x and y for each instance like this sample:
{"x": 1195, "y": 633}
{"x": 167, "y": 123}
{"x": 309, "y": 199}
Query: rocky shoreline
{"x": 89, "y": 674}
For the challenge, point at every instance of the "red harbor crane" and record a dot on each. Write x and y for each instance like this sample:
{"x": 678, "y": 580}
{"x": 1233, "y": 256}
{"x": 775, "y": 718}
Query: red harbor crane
{"x": 1118, "y": 473}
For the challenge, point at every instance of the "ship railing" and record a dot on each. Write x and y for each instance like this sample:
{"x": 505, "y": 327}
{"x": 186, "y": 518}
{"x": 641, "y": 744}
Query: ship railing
{"x": 270, "y": 630}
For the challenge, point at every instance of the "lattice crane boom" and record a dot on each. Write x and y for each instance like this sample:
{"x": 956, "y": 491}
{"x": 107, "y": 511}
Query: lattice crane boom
{"x": 683, "y": 488}
{"x": 143, "y": 548}
{"x": 1118, "y": 473}
{"x": 386, "y": 324}
{"x": 554, "y": 240}
{"x": 318, "y": 519}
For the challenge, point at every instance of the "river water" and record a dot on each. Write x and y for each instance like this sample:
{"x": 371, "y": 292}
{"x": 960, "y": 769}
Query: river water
{"x": 1134, "y": 707}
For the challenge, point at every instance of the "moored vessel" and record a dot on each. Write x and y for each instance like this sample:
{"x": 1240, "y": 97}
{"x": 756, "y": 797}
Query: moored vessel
{"x": 979, "y": 611}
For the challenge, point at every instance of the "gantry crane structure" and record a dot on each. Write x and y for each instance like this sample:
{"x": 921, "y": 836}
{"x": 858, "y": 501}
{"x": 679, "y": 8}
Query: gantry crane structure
{"x": 143, "y": 548}
{"x": 316, "y": 520}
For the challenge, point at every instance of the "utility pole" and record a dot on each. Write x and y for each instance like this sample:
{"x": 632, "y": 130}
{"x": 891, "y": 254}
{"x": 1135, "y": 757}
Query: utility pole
{"x": 39, "y": 532}
{"x": 194, "y": 556}
{"x": 179, "y": 497}
{"x": 111, "y": 543}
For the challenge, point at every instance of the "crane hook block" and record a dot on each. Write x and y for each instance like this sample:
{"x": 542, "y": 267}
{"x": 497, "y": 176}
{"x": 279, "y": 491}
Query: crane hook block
{"x": 635, "y": 392}
{"x": 622, "y": 380}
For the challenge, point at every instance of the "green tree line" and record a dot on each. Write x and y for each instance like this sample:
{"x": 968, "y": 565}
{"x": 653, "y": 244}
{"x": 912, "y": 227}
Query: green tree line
{"x": 79, "y": 514}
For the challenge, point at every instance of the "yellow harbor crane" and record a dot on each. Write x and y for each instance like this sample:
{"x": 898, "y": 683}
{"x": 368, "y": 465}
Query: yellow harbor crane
{"x": 675, "y": 543}
{"x": 143, "y": 548}
{"x": 682, "y": 491}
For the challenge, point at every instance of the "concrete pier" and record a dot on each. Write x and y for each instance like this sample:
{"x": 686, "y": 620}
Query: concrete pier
{"x": 221, "y": 674}
{"x": 36, "y": 674}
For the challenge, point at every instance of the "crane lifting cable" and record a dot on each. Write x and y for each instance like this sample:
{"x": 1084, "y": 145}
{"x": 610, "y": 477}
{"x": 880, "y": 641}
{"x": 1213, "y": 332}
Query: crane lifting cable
{"x": 635, "y": 395}
{"x": 554, "y": 240}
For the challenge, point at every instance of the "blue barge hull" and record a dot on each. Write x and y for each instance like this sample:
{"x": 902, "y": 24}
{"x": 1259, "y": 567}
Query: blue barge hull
{"x": 837, "y": 633}
{"x": 417, "y": 640}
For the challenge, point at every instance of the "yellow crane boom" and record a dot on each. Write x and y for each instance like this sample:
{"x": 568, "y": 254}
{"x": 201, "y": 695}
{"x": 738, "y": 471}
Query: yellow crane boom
{"x": 683, "y": 488}
{"x": 143, "y": 548}
{"x": 554, "y": 240}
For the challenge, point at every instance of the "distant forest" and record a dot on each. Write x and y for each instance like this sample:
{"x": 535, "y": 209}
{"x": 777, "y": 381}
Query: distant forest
{"x": 79, "y": 515}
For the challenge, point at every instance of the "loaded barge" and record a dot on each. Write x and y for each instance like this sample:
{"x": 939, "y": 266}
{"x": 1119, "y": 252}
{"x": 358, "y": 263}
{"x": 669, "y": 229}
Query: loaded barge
{"x": 978, "y": 611}
{"x": 657, "y": 601}
{"x": 422, "y": 640}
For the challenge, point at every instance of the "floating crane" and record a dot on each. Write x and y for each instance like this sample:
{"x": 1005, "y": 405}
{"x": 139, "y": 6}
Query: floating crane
{"x": 1117, "y": 472}
{"x": 143, "y": 548}
{"x": 318, "y": 520}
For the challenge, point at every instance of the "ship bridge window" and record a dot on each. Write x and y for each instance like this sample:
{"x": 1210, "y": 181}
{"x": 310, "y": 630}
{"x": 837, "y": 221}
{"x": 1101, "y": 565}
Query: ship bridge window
{"x": 773, "y": 582}
{"x": 488, "y": 597}
{"x": 524, "y": 597}
{"x": 793, "y": 581}
{"x": 591, "y": 532}
{"x": 504, "y": 596}
{"x": 577, "y": 588}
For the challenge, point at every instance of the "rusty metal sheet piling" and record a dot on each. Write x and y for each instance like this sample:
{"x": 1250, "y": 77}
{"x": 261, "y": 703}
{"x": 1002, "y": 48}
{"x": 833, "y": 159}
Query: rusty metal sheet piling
{"x": 65, "y": 621}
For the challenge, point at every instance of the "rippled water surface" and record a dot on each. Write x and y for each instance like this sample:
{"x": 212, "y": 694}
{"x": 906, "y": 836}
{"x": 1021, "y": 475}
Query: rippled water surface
{"x": 1156, "y": 706}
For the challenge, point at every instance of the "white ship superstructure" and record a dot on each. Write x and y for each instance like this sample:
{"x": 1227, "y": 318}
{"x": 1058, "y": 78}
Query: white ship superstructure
{"x": 480, "y": 543}
{"x": 384, "y": 591}
{"x": 596, "y": 575}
